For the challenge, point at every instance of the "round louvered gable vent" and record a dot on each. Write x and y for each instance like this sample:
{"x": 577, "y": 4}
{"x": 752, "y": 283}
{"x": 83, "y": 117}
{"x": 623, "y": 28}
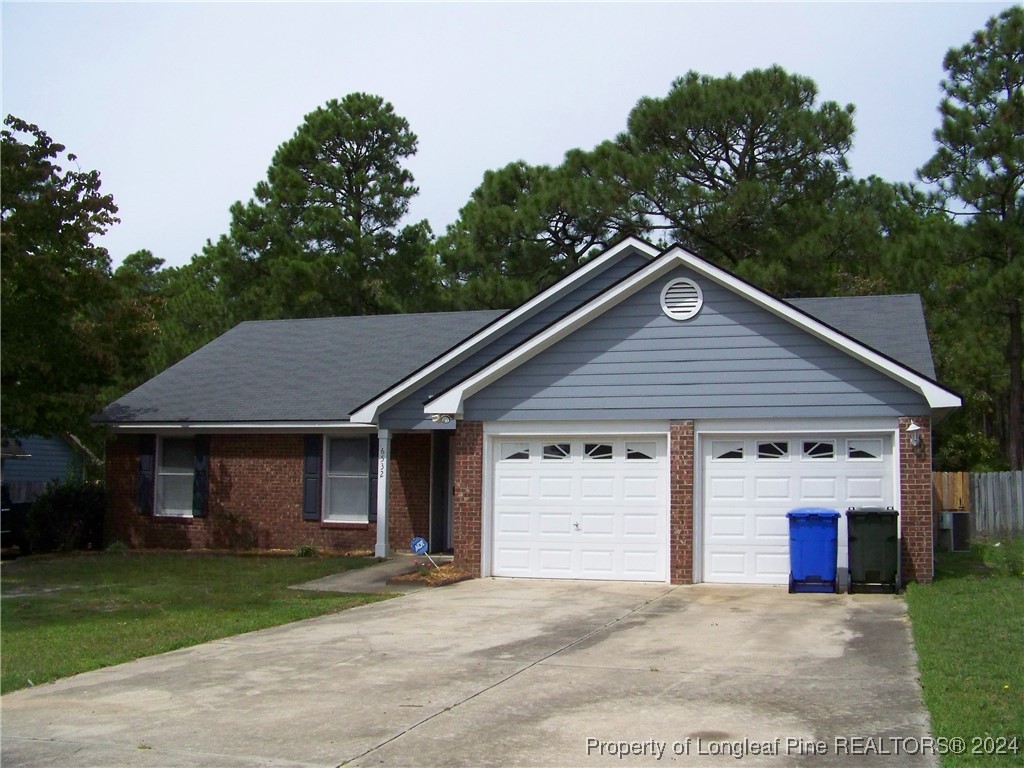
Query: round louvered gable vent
{"x": 681, "y": 299}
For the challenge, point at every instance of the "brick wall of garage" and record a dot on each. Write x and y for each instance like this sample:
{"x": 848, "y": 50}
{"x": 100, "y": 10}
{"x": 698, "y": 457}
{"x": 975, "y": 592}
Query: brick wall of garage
{"x": 917, "y": 522}
{"x": 467, "y": 506}
{"x": 681, "y": 469}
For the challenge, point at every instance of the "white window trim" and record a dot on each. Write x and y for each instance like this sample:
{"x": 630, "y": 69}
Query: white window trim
{"x": 158, "y": 474}
{"x": 325, "y": 480}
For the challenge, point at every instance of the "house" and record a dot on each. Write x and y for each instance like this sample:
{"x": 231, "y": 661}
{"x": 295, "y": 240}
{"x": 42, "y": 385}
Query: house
{"x": 28, "y": 463}
{"x": 649, "y": 417}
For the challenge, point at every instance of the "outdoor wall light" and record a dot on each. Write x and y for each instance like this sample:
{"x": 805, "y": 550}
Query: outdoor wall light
{"x": 915, "y": 434}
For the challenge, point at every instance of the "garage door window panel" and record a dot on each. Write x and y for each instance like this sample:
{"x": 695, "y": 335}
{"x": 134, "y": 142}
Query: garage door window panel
{"x": 515, "y": 451}
{"x": 864, "y": 450}
{"x": 597, "y": 451}
{"x": 645, "y": 451}
{"x": 773, "y": 450}
{"x": 557, "y": 452}
{"x": 727, "y": 450}
{"x": 819, "y": 450}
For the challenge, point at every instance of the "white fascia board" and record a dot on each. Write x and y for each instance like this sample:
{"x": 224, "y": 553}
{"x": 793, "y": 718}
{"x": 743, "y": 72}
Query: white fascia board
{"x": 938, "y": 397}
{"x": 370, "y": 411}
{"x": 239, "y": 427}
{"x": 452, "y": 400}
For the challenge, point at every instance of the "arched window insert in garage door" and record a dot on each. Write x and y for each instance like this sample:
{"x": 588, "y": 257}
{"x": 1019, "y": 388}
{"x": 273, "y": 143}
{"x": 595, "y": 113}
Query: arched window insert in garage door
{"x": 557, "y": 452}
{"x": 773, "y": 450}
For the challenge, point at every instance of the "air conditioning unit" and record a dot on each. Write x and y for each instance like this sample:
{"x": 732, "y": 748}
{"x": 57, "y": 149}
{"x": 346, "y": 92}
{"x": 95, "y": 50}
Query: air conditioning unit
{"x": 954, "y": 531}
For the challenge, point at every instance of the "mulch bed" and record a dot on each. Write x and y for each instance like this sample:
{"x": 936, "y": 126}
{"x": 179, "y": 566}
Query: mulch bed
{"x": 427, "y": 574}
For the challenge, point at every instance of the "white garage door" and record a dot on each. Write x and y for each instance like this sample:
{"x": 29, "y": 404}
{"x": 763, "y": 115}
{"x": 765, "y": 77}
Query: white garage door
{"x": 751, "y": 482}
{"x": 581, "y": 508}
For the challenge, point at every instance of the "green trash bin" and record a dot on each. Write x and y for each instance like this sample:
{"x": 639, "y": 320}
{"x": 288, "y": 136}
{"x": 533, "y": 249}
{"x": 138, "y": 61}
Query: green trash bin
{"x": 874, "y": 549}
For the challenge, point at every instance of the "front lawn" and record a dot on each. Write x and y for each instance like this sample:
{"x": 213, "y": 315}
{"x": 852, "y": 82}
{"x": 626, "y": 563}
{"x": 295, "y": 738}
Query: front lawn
{"x": 969, "y": 632}
{"x": 65, "y": 614}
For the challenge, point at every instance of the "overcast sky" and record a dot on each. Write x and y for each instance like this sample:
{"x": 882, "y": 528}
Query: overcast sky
{"x": 181, "y": 106}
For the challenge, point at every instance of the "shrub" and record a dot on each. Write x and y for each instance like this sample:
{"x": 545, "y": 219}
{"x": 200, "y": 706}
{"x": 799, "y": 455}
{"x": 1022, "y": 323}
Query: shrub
{"x": 68, "y": 515}
{"x": 306, "y": 550}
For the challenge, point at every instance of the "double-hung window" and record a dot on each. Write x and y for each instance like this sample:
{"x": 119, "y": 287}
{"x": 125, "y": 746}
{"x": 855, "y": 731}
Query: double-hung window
{"x": 179, "y": 485}
{"x": 175, "y": 477}
{"x": 339, "y": 479}
{"x": 347, "y": 492}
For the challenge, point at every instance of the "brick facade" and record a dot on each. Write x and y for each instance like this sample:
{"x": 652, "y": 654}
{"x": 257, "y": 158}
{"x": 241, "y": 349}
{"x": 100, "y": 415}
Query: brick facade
{"x": 255, "y": 501}
{"x": 681, "y": 469}
{"x": 408, "y": 489}
{"x": 468, "y": 448}
{"x": 917, "y": 521}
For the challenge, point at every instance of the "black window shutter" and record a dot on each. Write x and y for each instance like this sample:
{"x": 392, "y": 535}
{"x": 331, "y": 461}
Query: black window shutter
{"x": 147, "y": 474}
{"x": 374, "y": 464}
{"x": 201, "y": 476}
{"x": 312, "y": 477}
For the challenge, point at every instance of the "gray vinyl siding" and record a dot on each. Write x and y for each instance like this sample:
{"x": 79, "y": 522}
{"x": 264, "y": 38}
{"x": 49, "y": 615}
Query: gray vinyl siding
{"x": 50, "y": 458}
{"x": 733, "y": 360}
{"x": 408, "y": 413}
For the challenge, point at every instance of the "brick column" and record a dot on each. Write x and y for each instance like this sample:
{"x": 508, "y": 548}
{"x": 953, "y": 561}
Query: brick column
{"x": 917, "y": 523}
{"x": 468, "y": 502}
{"x": 681, "y": 467}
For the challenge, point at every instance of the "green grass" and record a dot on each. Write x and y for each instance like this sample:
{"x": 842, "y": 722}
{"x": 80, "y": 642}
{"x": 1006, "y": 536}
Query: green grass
{"x": 969, "y": 632}
{"x": 66, "y": 614}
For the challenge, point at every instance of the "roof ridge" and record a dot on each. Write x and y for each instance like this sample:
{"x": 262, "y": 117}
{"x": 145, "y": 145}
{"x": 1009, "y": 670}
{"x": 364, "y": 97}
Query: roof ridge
{"x": 360, "y": 317}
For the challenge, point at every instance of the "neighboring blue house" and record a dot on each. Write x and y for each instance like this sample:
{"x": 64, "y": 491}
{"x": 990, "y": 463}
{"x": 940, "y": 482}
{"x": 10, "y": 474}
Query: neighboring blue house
{"x": 29, "y": 463}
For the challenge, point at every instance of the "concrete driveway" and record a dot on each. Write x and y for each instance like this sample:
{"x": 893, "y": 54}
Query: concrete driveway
{"x": 510, "y": 673}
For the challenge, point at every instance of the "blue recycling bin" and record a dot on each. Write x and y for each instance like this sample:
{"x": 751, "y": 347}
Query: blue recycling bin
{"x": 813, "y": 549}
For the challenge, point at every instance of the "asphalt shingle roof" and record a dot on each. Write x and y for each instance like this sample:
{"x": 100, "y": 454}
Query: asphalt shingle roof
{"x": 893, "y": 325}
{"x": 295, "y": 370}
{"x": 319, "y": 370}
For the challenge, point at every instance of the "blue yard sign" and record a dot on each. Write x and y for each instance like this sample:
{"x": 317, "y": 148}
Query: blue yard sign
{"x": 419, "y": 547}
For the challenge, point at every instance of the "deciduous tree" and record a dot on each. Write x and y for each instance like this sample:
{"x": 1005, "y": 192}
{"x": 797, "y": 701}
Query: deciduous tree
{"x": 67, "y": 330}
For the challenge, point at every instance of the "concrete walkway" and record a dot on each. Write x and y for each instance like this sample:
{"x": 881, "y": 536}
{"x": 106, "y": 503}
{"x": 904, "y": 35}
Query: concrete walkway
{"x": 372, "y": 579}
{"x": 501, "y": 672}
